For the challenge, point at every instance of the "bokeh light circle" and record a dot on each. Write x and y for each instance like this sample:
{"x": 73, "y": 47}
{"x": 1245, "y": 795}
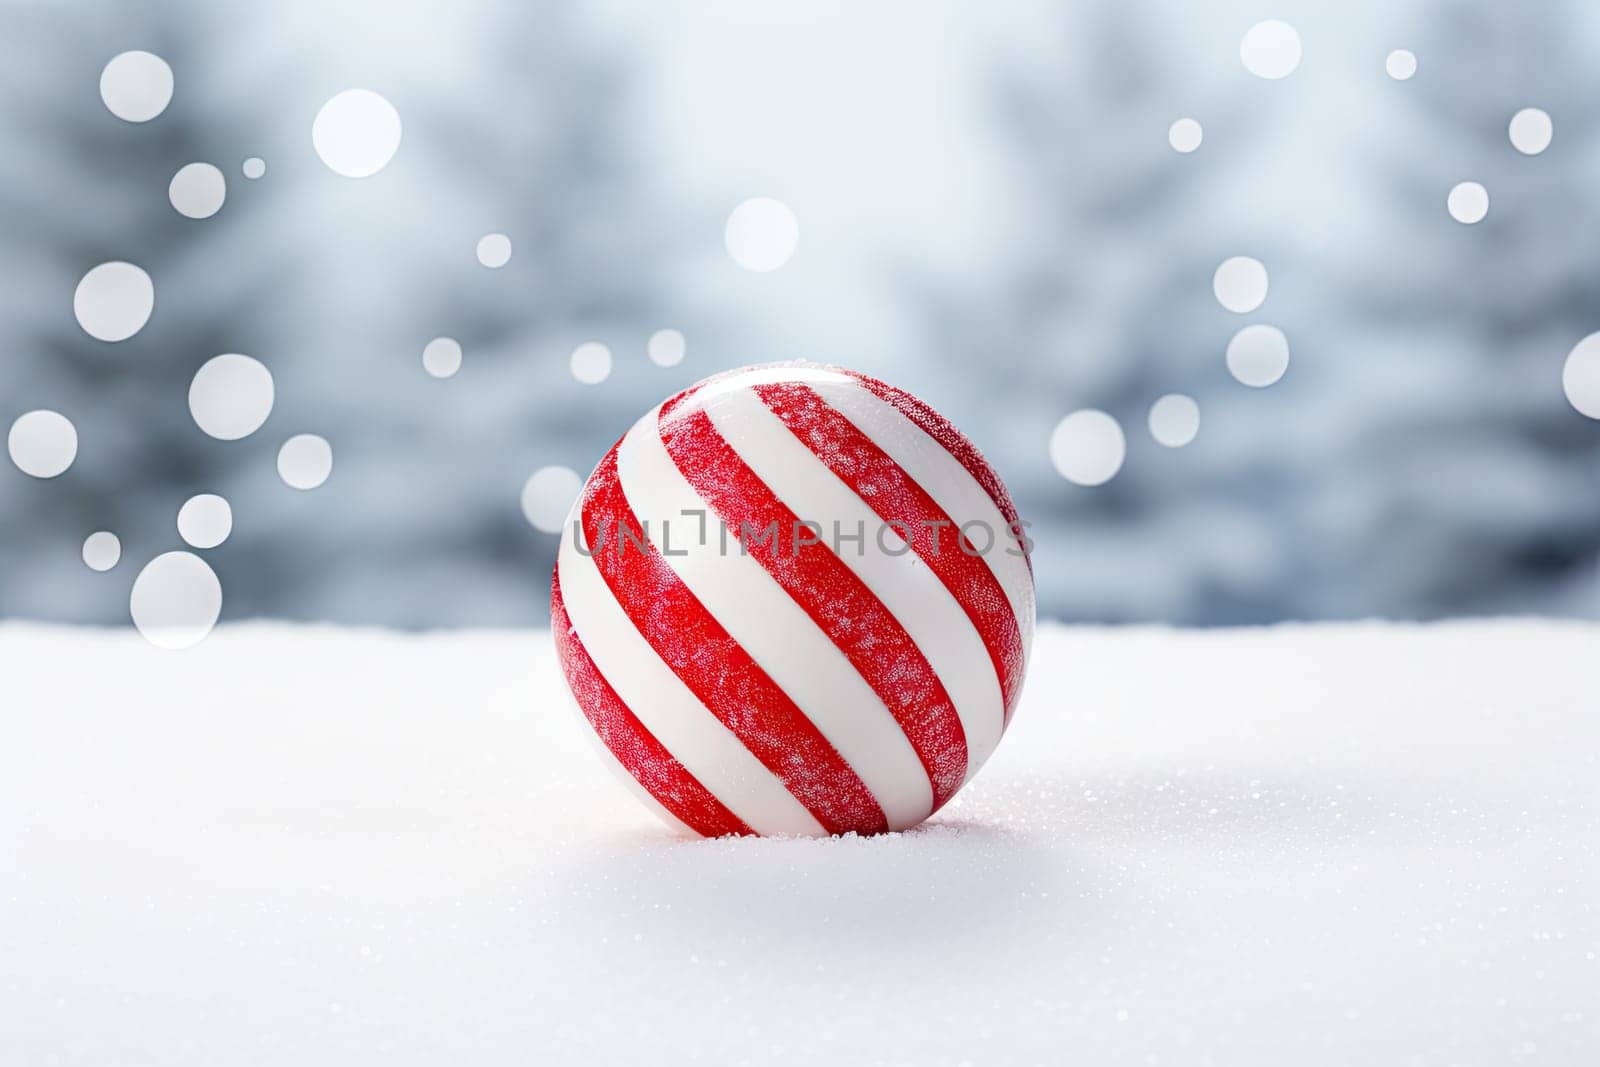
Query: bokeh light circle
{"x": 1531, "y": 131}
{"x": 667, "y": 348}
{"x": 1174, "y": 420}
{"x": 114, "y": 301}
{"x": 1258, "y": 355}
{"x": 591, "y": 363}
{"x": 205, "y": 520}
{"x": 175, "y": 600}
{"x": 136, "y": 86}
{"x": 356, "y": 133}
{"x": 441, "y": 357}
{"x": 305, "y": 461}
{"x": 1270, "y": 49}
{"x": 1580, "y": 377}
{"x": 494, "y": 250}
{"x": 761, "y": 234}
{"x": 547, "y": 497}
{"x": 1468, "y": 202}
{"x": 198, "y": 190}
{"x": 1088, "y": 447}
{"x": 254, "y": 167}
{"x": 231, "y": 396}
{"x": 1185, "y": 135}
{"x": 42, "y": 443}
{"x": 1400, "y": 64}
{"x": 101, "y": 550}
{"x": 1240, "y": 284}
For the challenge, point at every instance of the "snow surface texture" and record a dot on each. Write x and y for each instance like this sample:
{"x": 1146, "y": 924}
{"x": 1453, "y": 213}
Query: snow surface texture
{"x": 1345, "y": 844}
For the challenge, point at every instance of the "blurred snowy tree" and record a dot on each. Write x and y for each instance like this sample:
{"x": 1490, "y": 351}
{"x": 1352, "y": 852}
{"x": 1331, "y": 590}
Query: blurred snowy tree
{"x": 514, "y": 122}
{"x": 79, "y": 187}
{"x": 1418, "y": 458}
{"x": 1103, "y": 300}
{"x": 1462, "y": 481}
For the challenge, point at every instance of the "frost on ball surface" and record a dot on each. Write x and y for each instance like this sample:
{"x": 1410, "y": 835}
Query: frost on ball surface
{"x": 1270, "y": 49}
{"x": 1580, "y": 376}
{"x": 114, "y": 301}
{"x": 547, "y": 496}
{"x": 1468, "y": 202}
{"x": 198, "y": 190}
{"x": 1531, "y": 131}
{"x": 761, "y": 234}
{"x": 1258, "y": 355}
{"x": 1400, "y": 64}
{"x": 42, "y": 443}
{"x": 175, "y": 600}
{"x": 101, "y": 550}
{"x": 441, "y": 357}
{"x": 136, "y": 86}
{"x": 205, "y": 520}
{"x": 1087, "y": 447}
{"x": 305, "y": 461}
{"x": 666, "y": 348}
{"x": 591, "y": 363}
{"x": 1185, "y": 135}
{"x": 1240, "y": 284}
{"x": 494, "y": 250}
{"x": 231, "y": 396}
{"x": 1174, "y": 420}
{"x": 792, "y": 689}
{"x": 356, "y": 133}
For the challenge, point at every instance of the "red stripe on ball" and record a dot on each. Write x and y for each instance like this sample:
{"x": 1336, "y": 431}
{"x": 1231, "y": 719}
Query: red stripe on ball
{"x": 950, "y": 439}
{"x": 886, "y": 487}
{"x": 644, "y": 757}
{"x": 716, "y": 668}
{"x": 859, "y": 624}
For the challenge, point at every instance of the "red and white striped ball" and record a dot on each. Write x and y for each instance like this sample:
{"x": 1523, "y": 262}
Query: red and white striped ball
{"x": 794, "y": 600}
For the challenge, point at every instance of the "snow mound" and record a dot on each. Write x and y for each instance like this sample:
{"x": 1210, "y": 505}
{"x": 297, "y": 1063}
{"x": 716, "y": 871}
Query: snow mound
{"x": 309, "y": 846}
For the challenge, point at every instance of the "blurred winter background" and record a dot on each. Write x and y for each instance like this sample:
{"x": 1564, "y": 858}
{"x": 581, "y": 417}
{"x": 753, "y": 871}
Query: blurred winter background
{"x": 995, "y": 210}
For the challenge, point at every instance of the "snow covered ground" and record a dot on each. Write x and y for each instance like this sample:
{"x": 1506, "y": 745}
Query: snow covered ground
{"x": 1304, "y": 845}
